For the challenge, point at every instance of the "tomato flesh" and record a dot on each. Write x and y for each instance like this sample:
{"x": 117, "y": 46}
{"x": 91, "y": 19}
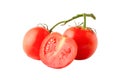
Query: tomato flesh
{"x": 58, "y": 51}
{"x": 32, "y": 41}
{"x": 86, "y": 40}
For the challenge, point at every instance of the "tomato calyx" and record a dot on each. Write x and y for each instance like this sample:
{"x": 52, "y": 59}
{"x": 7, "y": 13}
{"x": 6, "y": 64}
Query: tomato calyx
{"x": 45, "y": 26}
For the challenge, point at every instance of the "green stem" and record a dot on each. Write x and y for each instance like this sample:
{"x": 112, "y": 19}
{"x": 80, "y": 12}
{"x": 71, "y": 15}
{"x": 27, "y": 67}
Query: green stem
{"x": 84, "y": 24}
{"x": 74, "y": 17}
{"x": 55, "y": 26}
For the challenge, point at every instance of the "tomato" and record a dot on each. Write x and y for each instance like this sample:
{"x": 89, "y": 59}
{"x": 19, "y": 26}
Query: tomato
{"x": 86, "y": 40}
{"x": 58, "y": 51}
{"x": 32, "y": 41}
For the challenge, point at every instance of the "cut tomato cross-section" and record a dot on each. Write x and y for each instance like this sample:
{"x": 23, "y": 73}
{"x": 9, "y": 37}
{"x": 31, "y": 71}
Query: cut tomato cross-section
{"x": 58, "y": 51}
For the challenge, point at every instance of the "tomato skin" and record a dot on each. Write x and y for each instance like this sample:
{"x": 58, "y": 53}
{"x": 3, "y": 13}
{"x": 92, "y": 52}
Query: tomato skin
{"x": 86, "y": 40}
{"x": 32, "y": 41}
{"x": 58, "y": 51}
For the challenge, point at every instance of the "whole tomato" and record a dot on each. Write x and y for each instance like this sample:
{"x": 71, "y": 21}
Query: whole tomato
{"x": 86, "y": 40}
{"x": 85, "y": 37}
{"x": 32, "y": 41}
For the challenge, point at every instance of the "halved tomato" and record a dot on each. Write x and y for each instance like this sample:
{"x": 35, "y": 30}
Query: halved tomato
{"x": 58, "y": 51}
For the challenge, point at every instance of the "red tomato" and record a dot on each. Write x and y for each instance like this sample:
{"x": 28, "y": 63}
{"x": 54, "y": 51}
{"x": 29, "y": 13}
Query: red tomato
{"x": 32, "y": 41}
{"x": 86, "y": 40}
{"x": 58, "y": 51}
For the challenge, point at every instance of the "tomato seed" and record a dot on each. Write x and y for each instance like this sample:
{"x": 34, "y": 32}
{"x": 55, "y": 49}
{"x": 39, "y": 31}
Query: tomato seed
{"x": 51, "y": 45}
{"x": 68, "y": 50}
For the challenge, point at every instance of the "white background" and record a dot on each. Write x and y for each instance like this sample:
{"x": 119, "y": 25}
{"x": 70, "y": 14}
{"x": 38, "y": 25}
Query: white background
{"x": 18, "y": 16}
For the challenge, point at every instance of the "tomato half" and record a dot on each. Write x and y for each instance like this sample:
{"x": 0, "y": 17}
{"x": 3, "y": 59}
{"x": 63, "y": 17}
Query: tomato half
{"x": 32, "y": 41}
{"x": 86, "y": 40}
{"x": 58, "y": 51}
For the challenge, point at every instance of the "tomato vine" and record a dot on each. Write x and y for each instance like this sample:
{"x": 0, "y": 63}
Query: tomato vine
{"x": 75, "y": 17}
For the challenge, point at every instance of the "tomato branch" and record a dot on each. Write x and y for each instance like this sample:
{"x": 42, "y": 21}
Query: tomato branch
{"x": 75, "y": 17}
